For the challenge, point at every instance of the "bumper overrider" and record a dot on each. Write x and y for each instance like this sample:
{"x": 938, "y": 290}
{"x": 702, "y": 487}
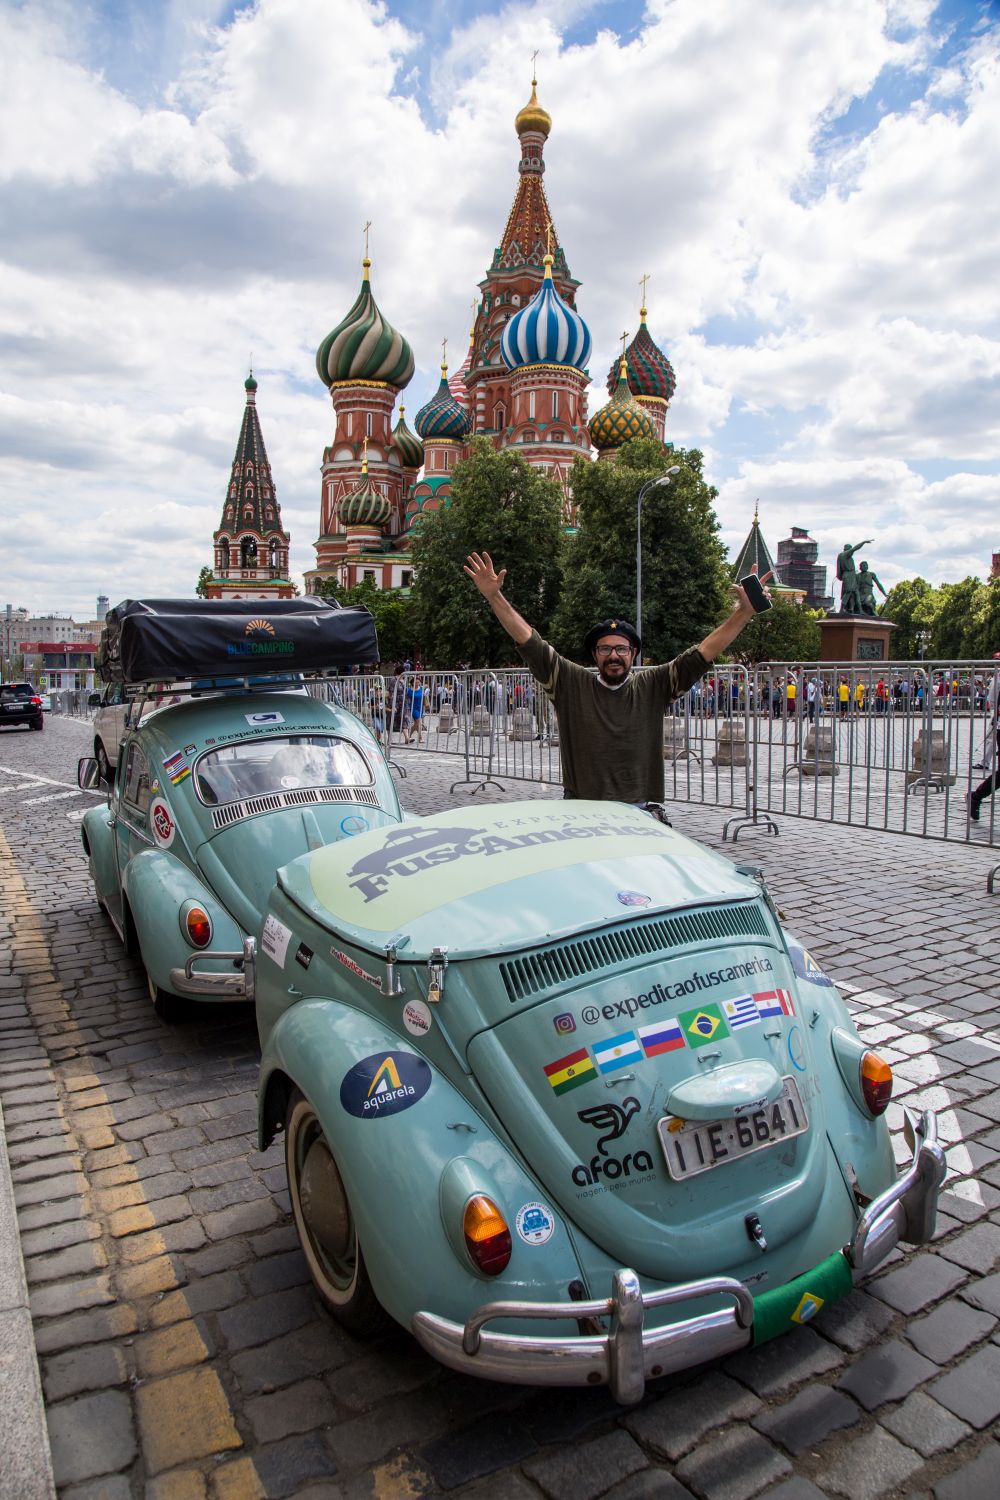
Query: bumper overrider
{"x": 628, "y": 1353}
{"x": 241, "y": 984}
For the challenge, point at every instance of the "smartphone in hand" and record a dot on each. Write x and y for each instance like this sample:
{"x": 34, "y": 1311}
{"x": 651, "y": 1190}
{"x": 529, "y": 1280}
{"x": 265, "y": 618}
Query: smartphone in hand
{"x": 754, "y": 591}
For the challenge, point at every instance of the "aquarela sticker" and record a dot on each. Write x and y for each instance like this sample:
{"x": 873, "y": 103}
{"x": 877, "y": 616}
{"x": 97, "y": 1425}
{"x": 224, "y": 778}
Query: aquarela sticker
{"x": 162, "y": 823}
{"x": 535, "y": 1223}
{"x": 383, "y": 1084}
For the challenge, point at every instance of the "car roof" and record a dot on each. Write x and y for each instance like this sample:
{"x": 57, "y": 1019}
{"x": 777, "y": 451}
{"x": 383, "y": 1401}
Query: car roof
{"x": 197, "y": 724}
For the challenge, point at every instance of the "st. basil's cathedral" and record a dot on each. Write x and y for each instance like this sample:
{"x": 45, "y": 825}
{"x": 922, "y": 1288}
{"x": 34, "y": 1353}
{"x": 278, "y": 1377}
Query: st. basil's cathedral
{"x": 523, "y": 385}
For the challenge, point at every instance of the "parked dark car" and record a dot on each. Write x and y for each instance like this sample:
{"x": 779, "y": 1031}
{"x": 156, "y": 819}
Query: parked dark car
{"x": 20, "y": 703}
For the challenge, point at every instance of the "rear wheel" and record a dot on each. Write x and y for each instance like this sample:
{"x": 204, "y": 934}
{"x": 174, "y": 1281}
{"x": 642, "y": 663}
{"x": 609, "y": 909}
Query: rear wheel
{"x": 325, "y": 1223}
{"x": 170, "y": 1008}
{"x": 103, "y": 764}
{"x": 39, "y": 724}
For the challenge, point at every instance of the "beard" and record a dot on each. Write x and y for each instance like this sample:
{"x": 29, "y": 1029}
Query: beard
{"x": 614, "y": 671}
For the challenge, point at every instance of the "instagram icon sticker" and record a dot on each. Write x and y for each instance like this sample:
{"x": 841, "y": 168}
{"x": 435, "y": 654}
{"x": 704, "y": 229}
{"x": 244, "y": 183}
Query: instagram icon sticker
{"x": 564, "y": 1023}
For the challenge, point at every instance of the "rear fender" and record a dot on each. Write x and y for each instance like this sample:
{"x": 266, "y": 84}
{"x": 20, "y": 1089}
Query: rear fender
{"x": 408, "y": 1172}
{"x": 98, "y": 841}
{"x": 156, "y": 888}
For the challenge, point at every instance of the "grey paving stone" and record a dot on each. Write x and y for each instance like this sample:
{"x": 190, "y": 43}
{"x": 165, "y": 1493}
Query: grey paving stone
{"x": 949, "y": 1330}
{"x": 587, "y": 1471}
{"x": 786, "y": 1361}
{"x": 266, "y": 1317}
{"x": 975, "y": 1480}
{"x": 397, "y": 1366}
{"x": 732, "y": 1465}
{"x": 241, "y": 1218}
{"x": 284, "y": 1468}
{"x": 93, "y": 1327}
{"x": 58, "y": 1237}
{"x": 90, "y": 1436}
{"x": 886, "y": 1373}
{"x": 89, "y": 1369}
{"x": 111, "y": 1487}
{"x": 984, "y": 1293}
{"x": 674, "y": 1424}
{"x": 924, "y": 1425}
{"x": 76, "y": 1260}
{"x": 855, "y": 1322}
{"x": 648, "y": 1484}
{"x": 494, "y": 1442}
{"x": 53, "y": 1300}
{"x": 51, "y": 1192}
{"x": 972, "y": 1389}
{"x": 557, "y": 1415}
{"x": 297, "y": 1408}
{"x": 871, "y": 1467}
{"x": 796, "y": 1488}
{"x": 309, "y": 1350}
{"x": 978, "y": 1249}
{"x": 809, "y": 1418}
{"x": 278, "y": 1272}
{"x": 923, "y": 1280}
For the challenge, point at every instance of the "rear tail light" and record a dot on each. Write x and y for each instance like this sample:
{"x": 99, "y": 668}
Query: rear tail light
{"x": 198, "y": 926}
{"x": 487, "y": 1237}
{"x": 876, "y": 1082}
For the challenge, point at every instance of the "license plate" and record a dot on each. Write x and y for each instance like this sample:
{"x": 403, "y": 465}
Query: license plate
{"x": 693, "y": 1146}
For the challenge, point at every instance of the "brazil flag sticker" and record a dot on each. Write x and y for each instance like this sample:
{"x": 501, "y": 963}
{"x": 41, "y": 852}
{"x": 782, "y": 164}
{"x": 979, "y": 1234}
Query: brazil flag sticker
{"x": 703, "y": 1025}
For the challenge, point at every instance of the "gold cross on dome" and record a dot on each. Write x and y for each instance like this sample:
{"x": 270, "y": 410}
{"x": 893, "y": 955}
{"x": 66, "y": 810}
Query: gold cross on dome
{"x": 368, "y": 225}
{"x": 364, "y": 453}
{"x": 534, "y": 70}
{"x": 444, "y": 352}
{"x": 548, "y": 236}
{"x": 642, "y": 283}
{"x": 624, "y": 338}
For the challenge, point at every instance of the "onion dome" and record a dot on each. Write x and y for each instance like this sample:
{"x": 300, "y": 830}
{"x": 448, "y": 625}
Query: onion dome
{"x": 650, "y": 372}
{"x": 546, "y": 332}
{"x": 365, "y": 346}
{"x": 407, "y": 444}
{"x": 364, "y": 505}
{"x": 622, "y": 418}
{"x": 442, "y": 417}
{"x": 533, "y": 116}
{"x": 250, "y": 384}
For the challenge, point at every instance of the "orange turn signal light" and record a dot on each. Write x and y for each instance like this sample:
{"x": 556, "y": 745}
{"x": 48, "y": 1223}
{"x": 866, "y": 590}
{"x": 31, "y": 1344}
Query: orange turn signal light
{"x": 487, "y": 1236}
{"x": 199, "y": 927}
{"x": 876, "y": 1082}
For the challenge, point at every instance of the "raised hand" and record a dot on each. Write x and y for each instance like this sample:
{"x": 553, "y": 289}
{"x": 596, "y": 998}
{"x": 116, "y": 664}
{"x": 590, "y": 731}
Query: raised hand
{"x": 479, "y": 567}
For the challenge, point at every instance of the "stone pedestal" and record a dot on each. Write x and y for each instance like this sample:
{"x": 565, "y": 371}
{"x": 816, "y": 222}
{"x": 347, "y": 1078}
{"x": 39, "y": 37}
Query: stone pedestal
{"x": 482, "y": 724}
{"x": 446, "y": 719}
{"x": 816, "y": 757}
{"x": 731, "y": 748}
{"x": 522, "y": 725}
{"x": 930, "y": 762}
{"x": 675, "y": 740}
{"x": 862, "y": 638}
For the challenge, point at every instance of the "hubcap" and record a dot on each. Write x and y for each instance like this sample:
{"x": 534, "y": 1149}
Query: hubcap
{"x": 324, "y": 1202}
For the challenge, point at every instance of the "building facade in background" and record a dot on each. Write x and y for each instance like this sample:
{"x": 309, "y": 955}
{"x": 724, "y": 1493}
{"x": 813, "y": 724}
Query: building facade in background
{"x": 522, "y": 385}
{"x": 799, "y": 569}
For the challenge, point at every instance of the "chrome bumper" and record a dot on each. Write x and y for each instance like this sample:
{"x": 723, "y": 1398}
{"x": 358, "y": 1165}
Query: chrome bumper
{"x": 624, "y": 1358}
{"x": 241, "y": 984}
{"x": 629, "y": 1354}
{"x": 908, "y": 1210}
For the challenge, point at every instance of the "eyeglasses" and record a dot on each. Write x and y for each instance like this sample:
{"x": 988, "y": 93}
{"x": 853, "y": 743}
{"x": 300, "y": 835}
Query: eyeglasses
{"x": 613, "y": 651}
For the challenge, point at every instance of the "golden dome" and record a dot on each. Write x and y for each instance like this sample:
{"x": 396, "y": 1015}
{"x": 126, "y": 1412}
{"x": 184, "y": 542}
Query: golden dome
{"x": 533, "y": 116}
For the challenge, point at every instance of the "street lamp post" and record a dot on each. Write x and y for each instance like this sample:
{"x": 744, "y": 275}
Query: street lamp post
{"x": 651, "y": 484}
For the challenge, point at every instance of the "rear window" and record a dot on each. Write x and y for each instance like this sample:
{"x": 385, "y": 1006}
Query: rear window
{"x": 289, "y": 763}
{"x": 11, "y": 690}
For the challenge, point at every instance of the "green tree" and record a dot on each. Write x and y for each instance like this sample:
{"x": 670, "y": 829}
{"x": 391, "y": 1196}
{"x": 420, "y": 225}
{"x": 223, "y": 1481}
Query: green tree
{"x": 500, "y": 505}
{"x": 958, "y": 621}
{"x": 684, "y": 581}
{"x": 990, "y": 623}
{"x": 787, "y": 632}
{"x": 204, "y": 579}
{"x": 391, "y": 610}
{"x": 911, "y": 606}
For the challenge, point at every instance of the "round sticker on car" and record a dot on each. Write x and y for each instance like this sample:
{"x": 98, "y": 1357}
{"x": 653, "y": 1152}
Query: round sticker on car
{"x": 385, "y": 1083}
{"x": 535, "y": 1223}
{"x": 162, "y": 823}
{"x": 417, "y": 1017}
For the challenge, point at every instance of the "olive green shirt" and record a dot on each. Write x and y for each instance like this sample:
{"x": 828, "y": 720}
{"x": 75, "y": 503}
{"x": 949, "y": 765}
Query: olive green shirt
{"x": 611, "y": 739}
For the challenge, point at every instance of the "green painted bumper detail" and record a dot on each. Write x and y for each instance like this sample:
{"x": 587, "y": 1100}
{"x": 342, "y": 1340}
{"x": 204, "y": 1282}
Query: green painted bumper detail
{"x": 800, "y": 1300}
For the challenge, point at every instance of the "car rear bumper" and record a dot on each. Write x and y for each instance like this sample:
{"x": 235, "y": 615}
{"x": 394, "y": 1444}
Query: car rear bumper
{"x": 629, "y": 1353}
{"x": 239, "y": 984}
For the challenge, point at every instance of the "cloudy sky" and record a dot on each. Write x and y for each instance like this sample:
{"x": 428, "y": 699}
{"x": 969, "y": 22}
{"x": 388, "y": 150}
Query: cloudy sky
{"x": 810, "y": 186}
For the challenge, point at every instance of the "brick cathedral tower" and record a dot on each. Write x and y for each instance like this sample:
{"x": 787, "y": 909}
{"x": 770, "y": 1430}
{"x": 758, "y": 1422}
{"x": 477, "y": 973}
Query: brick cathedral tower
{"x": 251, "y": 548}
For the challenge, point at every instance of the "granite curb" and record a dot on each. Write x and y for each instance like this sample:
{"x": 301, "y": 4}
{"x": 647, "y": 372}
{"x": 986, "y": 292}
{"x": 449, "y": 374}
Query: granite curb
{"x": 25, "y": 1458}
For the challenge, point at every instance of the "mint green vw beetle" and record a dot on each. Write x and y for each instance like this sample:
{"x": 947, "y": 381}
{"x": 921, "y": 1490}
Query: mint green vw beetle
{"x": 561, "y": 1097}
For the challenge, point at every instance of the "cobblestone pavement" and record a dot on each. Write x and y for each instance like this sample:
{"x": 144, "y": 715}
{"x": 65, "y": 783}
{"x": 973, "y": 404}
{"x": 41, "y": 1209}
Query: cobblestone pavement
{"x": 182, "y": 1351}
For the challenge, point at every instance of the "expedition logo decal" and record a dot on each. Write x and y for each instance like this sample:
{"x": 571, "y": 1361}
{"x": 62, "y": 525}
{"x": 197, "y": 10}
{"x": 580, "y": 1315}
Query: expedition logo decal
{"x": 659, "y": 994}
{"x": 806, "y": 967}
{"x": 385, "y": 1083}
{"x": 612, "y": 1120}
{"x": 161, "y": 822}
{"x": 260, "y": 641}
{"x": 389, "y": 876}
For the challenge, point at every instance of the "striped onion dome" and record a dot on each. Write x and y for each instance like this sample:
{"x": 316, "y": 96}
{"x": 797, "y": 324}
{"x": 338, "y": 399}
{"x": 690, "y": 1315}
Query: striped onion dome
{"x": 364, "y": 505}
{"x": 650, "y": 372}
{"x": 408, "y": 445}
{"x": 442, "y": 417}
{"x": 546, "y": 332}
{"x": 622, "y": 418}
{"x": 456, "y": 384}
{"x": 365, "y": 346}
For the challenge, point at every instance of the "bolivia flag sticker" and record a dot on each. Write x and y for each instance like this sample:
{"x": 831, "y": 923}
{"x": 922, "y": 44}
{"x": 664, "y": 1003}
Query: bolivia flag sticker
{"x": 570, "y": 1071}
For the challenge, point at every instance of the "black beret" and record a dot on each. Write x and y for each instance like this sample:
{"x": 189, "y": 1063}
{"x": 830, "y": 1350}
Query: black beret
{"x": 610, "y": 627}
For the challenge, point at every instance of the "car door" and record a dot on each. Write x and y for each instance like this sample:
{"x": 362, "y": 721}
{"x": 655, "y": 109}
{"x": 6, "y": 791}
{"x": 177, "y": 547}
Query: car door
{"x": 130, "y": 805}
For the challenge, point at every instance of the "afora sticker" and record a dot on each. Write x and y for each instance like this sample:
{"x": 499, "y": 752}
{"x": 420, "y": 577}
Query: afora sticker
{"x": 535, "y": 1223}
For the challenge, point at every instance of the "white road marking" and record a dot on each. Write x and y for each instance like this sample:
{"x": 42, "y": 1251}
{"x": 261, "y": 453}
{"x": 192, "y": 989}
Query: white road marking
{"x": 21, "y": 786}
{"x": 49, "y": 797}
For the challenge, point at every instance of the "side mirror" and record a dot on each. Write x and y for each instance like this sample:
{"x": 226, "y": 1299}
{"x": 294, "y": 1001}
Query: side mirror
{"x": 88, "y": 773}
{"x": 94, "y": 701}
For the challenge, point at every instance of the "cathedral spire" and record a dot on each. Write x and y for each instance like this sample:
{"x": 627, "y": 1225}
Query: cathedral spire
{"x": 529, "y": 230}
